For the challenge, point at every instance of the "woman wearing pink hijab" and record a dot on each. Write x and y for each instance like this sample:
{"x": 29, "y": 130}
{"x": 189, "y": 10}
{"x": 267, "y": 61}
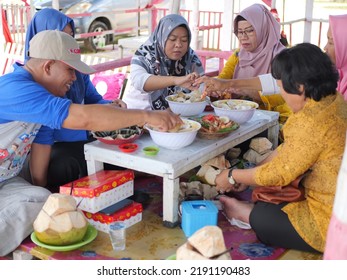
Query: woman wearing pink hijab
{"x": 259, "y": 36}
{"x": 336, "y": 49}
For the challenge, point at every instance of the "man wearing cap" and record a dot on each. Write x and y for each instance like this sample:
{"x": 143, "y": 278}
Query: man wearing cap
{"x": 30, "y": 96}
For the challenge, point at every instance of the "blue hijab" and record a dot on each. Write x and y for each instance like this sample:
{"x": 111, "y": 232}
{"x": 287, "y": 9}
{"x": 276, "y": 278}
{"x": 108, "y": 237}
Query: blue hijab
{"x": 46, "y": 19}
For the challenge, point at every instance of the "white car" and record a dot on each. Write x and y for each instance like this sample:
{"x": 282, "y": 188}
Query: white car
{"x": 103, "y": 16}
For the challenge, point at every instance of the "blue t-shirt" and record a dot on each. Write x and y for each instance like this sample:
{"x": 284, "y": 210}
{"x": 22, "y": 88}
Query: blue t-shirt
{"x": 25, "y": 105}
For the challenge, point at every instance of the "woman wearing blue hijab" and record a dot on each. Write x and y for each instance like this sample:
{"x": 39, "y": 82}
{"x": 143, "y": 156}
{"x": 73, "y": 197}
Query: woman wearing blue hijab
{"x": 57, "y": 156}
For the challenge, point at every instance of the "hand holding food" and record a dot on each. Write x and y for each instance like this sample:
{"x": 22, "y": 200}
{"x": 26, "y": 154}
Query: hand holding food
{"x": 222, "y": 183}
{"x": 218, "y": 88}
{"x": 163, "y": 120}
{"x": 210, "y": 169}
{"x": 188, "y": 81}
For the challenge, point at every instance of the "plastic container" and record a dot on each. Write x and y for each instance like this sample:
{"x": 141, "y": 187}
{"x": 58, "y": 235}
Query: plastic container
{"x": 150, "y": 151}
{"x": 197, "y": 214}
{"x": 128, "y": 147}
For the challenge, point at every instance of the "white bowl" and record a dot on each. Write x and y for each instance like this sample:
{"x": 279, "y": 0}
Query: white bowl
{"x": 239, "y": 111}
{"x": 175, "y": 140}
{"x": 186, "y": 109}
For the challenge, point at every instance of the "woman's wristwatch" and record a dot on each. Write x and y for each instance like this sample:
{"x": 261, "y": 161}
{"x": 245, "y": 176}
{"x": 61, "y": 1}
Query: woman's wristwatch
{"x": 232, "y": 180}
{"x": 230, "y": 177}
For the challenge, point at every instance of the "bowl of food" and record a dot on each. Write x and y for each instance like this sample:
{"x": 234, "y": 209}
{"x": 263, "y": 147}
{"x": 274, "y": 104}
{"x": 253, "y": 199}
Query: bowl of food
{"x": 238, "y": 110}
{"x": 186, "y": 104}
{"x": 176, "y": 138}
{"x": 215, "y": 127}
{"x": 119, "y": 136}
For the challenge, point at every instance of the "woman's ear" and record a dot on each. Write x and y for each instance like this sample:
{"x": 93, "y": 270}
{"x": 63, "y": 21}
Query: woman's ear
{"x": 302, "y": 89}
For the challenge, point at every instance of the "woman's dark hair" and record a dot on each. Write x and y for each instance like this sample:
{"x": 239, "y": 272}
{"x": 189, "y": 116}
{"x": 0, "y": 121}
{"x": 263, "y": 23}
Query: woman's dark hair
{"x": 307, "y": 65}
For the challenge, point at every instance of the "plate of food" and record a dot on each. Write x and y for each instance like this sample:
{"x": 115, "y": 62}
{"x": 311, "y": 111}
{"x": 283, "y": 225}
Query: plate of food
{"x": 88, "y": 237}
{"x": 119, "y": 136}
{"x": 215, "y": 127}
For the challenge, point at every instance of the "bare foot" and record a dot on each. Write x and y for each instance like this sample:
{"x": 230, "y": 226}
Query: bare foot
{"x": 237, "y": 209}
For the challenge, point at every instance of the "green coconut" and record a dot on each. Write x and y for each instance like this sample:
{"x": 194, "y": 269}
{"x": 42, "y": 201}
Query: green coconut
{"x": 60, "y": 222}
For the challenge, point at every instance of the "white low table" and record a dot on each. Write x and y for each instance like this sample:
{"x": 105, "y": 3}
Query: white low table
{"x": 171, "y": 164}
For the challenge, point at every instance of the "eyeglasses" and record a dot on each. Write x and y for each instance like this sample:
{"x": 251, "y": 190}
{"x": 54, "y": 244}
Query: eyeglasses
{"x": 247, "y": 32}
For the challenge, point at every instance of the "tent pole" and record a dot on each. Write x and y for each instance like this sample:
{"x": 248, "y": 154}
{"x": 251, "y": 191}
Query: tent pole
{"x": 195, "y": 25}
{"x": 228, "y": 19}
{"x": 308, "y": 20}
{"x": 175, "y": 6}
{"x": 55, "y": 4}
{"x": 273, "y": 4}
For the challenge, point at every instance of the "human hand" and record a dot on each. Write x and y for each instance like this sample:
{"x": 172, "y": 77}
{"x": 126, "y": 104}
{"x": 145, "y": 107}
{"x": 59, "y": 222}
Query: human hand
{"x": 222, "y": 182}
{"x": 163, "y": 120}
{"x": 201, "y": 80}
{"x": 223, "y": 185}
{"x": 215, "y": 87}
{"x": 118, "y": 103}
{"x": 188, "y": 81}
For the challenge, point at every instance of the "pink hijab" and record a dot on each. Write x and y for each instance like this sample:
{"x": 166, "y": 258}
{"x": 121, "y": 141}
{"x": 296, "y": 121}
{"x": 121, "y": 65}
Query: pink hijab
{"x": 252, "y": 64}
{"x": 338, "y": 28}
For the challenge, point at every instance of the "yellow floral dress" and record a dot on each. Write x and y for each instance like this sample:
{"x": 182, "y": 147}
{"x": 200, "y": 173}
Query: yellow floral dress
{"x": 314, "y": 139}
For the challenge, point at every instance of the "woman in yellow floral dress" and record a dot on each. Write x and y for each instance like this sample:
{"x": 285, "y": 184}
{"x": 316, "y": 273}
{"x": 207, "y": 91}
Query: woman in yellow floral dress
{"x": 314, "y": 139}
